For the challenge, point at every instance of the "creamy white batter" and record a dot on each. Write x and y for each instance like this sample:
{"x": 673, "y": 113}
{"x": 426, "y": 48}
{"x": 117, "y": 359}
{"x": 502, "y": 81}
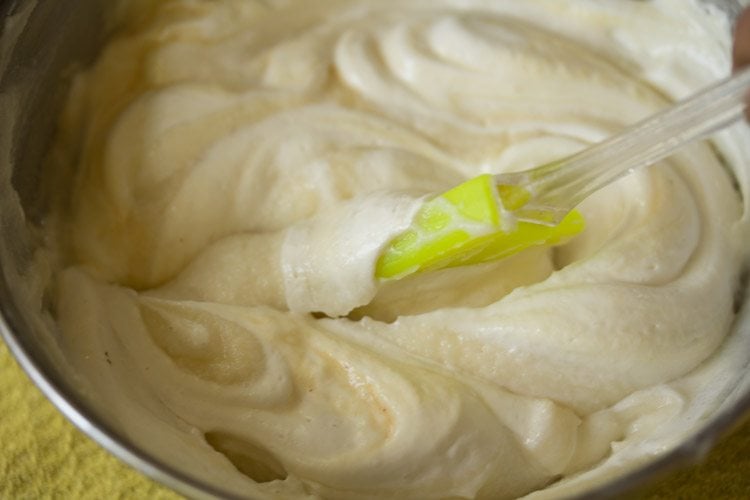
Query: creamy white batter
{"x": 241, "y": 164}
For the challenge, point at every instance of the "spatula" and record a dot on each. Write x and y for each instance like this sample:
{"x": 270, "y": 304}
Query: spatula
{"x": 492, "y": 217}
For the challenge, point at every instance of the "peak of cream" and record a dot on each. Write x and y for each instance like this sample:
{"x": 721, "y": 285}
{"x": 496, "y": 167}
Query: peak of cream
{"x": 329, "y": 262}
{"x": 239, "y": 167}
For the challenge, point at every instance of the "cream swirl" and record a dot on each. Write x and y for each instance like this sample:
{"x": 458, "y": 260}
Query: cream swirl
{"x": 240, "y": 165}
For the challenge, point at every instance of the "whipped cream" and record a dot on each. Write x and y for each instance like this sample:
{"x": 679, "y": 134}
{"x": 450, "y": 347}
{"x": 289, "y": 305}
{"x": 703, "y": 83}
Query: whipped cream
{"x": 240, "y": 166}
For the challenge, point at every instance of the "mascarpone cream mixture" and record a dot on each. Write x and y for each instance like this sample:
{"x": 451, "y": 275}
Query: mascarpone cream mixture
{"x": 239, "y": 166}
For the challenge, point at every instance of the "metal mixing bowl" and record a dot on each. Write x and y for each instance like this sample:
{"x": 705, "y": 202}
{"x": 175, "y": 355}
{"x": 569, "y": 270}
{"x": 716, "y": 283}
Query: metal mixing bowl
{"x": 42, "y": 42}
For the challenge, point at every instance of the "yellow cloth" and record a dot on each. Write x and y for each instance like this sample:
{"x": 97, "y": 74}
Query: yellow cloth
{"x": 43, "y": 456}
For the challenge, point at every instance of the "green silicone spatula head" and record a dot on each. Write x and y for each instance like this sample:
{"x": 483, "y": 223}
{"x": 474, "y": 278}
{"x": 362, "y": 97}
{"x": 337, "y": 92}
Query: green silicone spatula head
{"x": 492, "y": 217}
{"x": 469, "y": 224}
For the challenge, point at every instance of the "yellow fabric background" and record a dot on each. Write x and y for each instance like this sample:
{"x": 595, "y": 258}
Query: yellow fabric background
{"x": 43, "y": 456}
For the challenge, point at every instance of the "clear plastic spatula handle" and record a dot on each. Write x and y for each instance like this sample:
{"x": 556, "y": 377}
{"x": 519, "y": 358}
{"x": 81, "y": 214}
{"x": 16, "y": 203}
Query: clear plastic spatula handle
{"x": 556, "y": 188}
